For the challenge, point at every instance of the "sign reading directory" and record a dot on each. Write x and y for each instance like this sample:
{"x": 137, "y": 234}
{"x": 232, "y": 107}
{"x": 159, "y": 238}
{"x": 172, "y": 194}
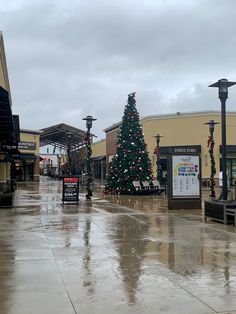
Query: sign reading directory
{"x": 185, "y": 176}
{"x": 70, "y": 191}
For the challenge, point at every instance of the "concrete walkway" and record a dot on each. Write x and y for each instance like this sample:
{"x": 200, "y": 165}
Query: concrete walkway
{"x": 112, "y": 255}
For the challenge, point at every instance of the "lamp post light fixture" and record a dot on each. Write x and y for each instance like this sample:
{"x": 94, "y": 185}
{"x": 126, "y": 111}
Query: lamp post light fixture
{"x": 89, "y": 122}
{"x": 223, "y": 85}
{"x": 211, "y": 144}
{"x": 157, "y": 152}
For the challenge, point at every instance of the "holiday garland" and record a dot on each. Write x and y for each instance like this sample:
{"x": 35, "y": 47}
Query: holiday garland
{"x": 211, "y": 144}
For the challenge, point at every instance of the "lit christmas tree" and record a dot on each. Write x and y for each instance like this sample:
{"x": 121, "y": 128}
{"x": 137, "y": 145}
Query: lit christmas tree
{"x": 131, "y": 161}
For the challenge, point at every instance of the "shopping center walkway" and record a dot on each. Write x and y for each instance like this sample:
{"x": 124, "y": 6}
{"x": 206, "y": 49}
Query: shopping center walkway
{"x": 112, "y": 255}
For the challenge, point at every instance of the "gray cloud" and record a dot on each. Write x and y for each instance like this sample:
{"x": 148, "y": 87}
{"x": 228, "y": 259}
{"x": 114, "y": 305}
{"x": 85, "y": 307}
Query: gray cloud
{"x": 70, "y": 59}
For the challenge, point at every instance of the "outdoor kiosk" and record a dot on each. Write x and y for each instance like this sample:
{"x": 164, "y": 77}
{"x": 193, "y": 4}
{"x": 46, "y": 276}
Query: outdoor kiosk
{"x": 184, "y": 177}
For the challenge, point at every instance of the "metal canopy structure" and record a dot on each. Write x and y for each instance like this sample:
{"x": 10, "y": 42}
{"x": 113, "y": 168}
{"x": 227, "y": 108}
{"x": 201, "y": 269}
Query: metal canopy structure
{"x": 9, "y": 124}
{"x": 61, "y": 135}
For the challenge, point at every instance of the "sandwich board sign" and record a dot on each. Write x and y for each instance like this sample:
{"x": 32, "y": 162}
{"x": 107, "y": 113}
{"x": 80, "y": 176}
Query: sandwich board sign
{"x": 70, "y": 191}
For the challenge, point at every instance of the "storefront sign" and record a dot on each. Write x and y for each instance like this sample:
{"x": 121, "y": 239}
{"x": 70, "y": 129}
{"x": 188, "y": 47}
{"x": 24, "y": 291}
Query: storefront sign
{"x": 170, "y": 150}
{"x": 70, "y": 190}
{"x": 8, "y": 148}
{"x": 27, "y": 145}
{"x": 185, "y": 176}
{"x": 184, "y": 150}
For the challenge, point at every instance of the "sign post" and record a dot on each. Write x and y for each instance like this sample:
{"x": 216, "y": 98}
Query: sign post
{"x": 70, "y": 191}
{"x": 184, "y": 183}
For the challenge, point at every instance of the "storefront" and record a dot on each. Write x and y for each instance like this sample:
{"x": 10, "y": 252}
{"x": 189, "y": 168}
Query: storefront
{"x": 24, "y": 167}
{"x": 26, "y": 162}
{"x": 99, "y": 160}
{"x": 230, "y": 164}
{"x": 99, "y": 167}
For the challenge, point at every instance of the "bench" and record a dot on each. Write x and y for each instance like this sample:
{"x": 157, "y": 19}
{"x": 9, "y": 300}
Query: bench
{"x": 230, "y": 216}
{"x": 158, "y": 188}
{"x": 138, "y": 187}
{"x": 148, "y": 189}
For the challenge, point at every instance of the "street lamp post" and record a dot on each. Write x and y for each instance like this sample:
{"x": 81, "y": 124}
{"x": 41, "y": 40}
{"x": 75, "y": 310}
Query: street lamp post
{"x": 157, "y": 151}
{"x": 89, "y": 121}
{"x": 69, "y": 172}
{"x": 223, "y": 86}
{"x": 211, "y": 144}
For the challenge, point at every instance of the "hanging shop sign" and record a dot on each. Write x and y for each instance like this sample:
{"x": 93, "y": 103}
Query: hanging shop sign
{"x": 27, "y": 145}
{"x": 185, "y": 175}
{"x": 70, "y": 191}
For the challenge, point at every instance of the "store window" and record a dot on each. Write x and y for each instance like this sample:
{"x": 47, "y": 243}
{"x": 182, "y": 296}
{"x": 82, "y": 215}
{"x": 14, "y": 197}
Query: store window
{"x": 231, "y": 170}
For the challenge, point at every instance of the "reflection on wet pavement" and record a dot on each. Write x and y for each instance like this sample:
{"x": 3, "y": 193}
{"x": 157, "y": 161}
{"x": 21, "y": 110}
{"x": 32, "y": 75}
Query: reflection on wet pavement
{"x": 112, "y": 255}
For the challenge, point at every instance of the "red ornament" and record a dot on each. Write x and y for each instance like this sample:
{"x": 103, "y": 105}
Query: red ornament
{"x": 156, "y": 151}
{"x": 209, "y": 142}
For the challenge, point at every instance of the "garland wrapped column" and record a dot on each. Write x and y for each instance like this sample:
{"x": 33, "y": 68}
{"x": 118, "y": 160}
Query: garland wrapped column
{"x": 210, "y": 145}
{"x": 157, "y": 153}
{"x": 88, "y": 165}
{"x": 89, "y": 121}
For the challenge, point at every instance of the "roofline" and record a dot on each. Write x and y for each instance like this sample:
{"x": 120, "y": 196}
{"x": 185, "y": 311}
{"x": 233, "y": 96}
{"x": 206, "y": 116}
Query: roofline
{"x": 187, "y": 114}
{"x": 45, "y": 154}
{"x": 30, "y": 131}
{"x": 102, "y": 140}
{"x": 173, "y": 116}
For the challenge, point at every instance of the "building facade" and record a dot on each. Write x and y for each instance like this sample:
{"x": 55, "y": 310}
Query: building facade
{"x": 9, "y": 132}
{"x": 26, "y": 162}
{"x": 185, "y": 130}
{"x": 99, "y": 160}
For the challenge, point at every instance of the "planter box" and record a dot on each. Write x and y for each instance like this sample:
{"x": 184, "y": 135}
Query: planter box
{"x": 218, "y": 210}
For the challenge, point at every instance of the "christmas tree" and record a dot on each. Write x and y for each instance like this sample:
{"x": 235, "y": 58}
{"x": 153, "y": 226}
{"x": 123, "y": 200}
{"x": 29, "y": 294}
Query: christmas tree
{"x": 131, "y": 161}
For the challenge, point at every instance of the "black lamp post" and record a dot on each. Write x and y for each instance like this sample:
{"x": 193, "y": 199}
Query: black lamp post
{"x": 157, "y": 150}
{"x": 89, "y": 122}
{"x": 223, "y": 86}
{"x": 211, "y": 144}
{"x": 69, "y": 172}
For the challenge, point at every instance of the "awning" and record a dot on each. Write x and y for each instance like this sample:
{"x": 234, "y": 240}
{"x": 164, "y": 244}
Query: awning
{"x": 27, "y": 156}
{"x": 98, "y": 158}
{"x": 231, "y": 149}
{"x": 8, "y": 132}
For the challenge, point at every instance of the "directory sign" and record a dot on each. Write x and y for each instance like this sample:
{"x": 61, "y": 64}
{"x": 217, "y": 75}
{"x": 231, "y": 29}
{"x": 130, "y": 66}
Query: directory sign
{"x": 185, "y": 172}
{"x": 70, "y": 190}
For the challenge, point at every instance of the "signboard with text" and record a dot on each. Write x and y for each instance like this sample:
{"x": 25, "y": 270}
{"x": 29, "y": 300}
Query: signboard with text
{"x": 27, "y": 145}
{"x": 70, "y": 190}
{"x": 185, "y": 176}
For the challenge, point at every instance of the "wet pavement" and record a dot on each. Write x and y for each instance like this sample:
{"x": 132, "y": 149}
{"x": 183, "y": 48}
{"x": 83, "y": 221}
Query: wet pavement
{"x": 114, "y": 254}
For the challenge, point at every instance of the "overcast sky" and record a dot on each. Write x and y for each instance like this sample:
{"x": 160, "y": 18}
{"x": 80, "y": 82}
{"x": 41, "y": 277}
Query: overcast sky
{"x": 71, "y": 58}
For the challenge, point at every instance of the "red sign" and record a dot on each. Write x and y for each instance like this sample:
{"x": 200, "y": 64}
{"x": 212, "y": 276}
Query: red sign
{"x": 72, "y": 180}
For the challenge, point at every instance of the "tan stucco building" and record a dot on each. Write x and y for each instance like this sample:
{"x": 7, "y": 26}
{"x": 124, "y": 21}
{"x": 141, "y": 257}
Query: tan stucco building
{"x": 99, "y": 159}
{"x": 183, "y": 129}
{"x": 26, "y": 162}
